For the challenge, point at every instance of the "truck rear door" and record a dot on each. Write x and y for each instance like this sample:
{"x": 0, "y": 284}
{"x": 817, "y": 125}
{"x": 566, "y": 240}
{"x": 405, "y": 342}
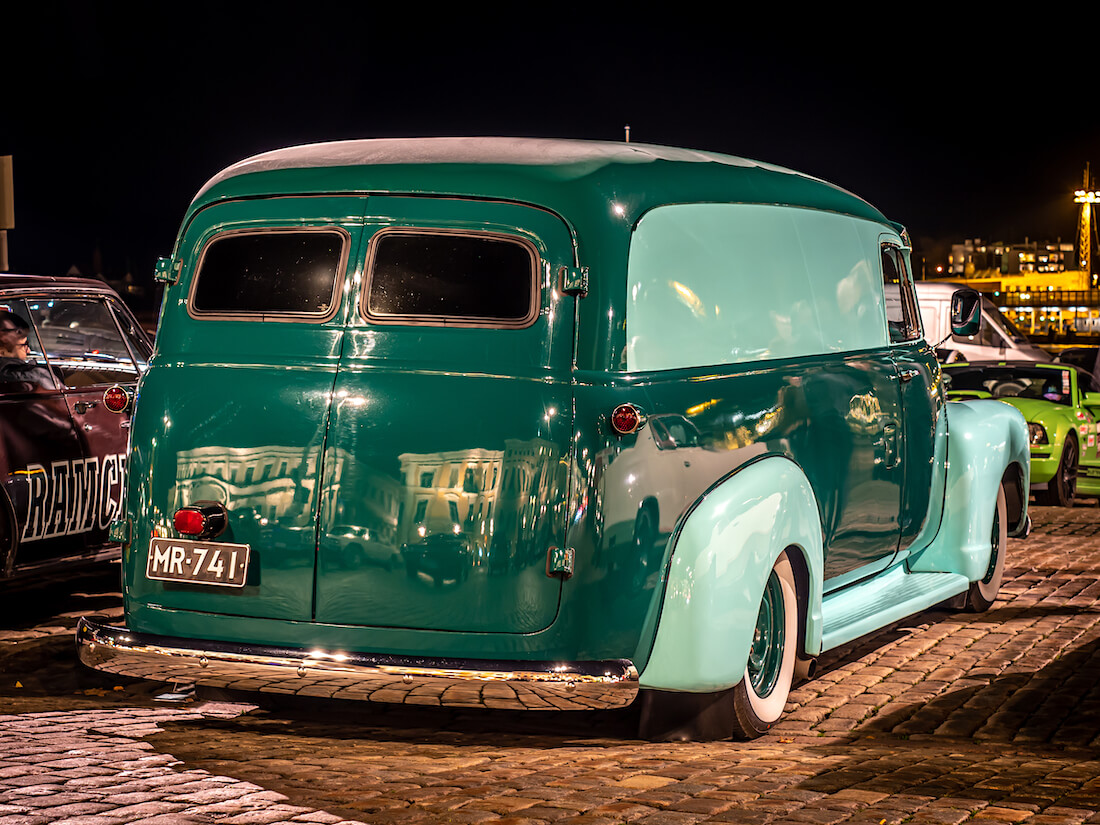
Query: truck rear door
{"x": 247, "y": 355}
{"x": 445, "y": 478}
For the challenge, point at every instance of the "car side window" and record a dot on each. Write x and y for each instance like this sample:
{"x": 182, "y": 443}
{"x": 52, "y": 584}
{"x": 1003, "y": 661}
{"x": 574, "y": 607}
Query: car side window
{"x": 82, "y": 342}
{"x": 137, "y": 340}
{"x": 901, "y": 307}
{"x": 22, "y": 365}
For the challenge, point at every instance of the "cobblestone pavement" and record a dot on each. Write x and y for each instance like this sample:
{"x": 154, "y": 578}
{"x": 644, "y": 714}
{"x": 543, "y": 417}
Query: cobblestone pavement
{"x": 944, "y": 718}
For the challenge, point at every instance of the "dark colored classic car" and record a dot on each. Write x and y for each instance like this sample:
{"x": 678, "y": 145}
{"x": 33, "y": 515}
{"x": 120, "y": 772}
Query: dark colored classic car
{"x": 63, "y": 342}
{"x": 645, "y": 423}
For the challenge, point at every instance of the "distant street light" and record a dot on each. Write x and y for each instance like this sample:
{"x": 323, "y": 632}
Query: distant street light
{"x": 1086, "y": 198}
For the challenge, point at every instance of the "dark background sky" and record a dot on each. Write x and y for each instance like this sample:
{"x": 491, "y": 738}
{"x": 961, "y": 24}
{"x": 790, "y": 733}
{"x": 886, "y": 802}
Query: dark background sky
{"x": 956, "y": 126}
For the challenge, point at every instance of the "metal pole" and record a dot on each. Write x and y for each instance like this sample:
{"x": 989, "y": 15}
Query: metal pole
{"x": 7, "y": 208}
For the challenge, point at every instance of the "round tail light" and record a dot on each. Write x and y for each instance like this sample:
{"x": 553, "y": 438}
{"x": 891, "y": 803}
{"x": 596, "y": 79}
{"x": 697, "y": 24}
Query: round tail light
{"x": 189, "y": 522}
{"x": 205, "y": 519}
{"x": 626, "y": 419}
{"x": 117, "y": 399}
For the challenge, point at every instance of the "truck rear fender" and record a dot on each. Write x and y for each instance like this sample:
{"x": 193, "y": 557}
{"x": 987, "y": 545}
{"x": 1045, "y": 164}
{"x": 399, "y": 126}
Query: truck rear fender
{"x": 722, "y": 555}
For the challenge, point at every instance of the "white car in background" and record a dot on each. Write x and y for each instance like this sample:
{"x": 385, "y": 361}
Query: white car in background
{"x": 997, "y": 340}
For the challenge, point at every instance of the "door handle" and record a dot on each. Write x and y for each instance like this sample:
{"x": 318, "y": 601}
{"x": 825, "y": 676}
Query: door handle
{"x": 908, "y": 375}
{"x": 83, "y": 406}
{"x": 891, "y": 456}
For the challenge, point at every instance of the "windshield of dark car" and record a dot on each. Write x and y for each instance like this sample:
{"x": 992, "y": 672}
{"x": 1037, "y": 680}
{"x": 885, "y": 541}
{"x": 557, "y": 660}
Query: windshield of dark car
{"x": 1012, "y": 382}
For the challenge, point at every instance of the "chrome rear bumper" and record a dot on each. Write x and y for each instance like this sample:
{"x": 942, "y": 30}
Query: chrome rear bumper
{"x": 376, "y": 678}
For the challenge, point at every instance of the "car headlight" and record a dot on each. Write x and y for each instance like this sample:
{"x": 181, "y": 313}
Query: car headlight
{"x": 1036, "y": 434}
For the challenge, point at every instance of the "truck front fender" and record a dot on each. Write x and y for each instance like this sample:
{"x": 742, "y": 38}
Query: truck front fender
{"x": 985, "y": 439}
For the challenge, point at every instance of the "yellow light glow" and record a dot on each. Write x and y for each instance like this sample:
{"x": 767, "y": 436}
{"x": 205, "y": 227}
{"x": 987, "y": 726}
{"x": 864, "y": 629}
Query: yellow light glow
{"x": 689, "y": 298}
{"x": 698, "y": 408}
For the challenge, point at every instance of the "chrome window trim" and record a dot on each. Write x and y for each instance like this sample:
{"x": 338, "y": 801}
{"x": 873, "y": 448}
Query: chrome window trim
{"x": 254, "y": 315}
{"x": 451, "y": 321}
{"x": 907, "y": 290}
{"x": 113, "y": 311}
{"x": 122, "y": 312}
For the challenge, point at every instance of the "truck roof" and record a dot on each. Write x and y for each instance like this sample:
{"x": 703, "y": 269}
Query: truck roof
{"x": 570, "y": 177}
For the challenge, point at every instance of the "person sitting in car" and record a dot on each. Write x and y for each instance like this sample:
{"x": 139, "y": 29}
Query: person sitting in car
{"x": 14, "y": 350}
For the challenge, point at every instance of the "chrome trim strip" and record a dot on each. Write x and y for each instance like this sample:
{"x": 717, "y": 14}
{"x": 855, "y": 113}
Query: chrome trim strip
{"x": 371, "y": 677}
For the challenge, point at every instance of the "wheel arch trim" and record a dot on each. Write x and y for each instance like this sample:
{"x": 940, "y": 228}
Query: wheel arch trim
{"x": 722, "y": 556}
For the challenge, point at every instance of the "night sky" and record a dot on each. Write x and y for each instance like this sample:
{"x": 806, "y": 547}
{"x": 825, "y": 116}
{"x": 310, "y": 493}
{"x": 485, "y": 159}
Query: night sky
{"x": 116, "y": 113}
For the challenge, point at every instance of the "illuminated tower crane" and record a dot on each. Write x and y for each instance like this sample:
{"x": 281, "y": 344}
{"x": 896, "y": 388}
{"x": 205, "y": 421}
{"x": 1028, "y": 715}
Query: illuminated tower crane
{"x": 1086, "y": 198}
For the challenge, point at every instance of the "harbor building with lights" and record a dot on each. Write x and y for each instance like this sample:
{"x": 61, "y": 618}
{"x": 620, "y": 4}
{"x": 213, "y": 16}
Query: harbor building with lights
{"x": 1044, "y": 288}
{"x": 1040, "y": 301}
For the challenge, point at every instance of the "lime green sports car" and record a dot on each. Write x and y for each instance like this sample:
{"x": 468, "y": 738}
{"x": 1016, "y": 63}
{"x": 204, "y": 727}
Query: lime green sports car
{"x": 1062, "y": 407}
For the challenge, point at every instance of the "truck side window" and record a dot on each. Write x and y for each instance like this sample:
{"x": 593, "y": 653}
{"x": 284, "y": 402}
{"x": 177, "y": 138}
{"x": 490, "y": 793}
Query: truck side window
{"x": 694, "y": 267}
{"x": 272, "y": 272}
{"x": 440, "y": 278}
{"x": 901, "y": 307}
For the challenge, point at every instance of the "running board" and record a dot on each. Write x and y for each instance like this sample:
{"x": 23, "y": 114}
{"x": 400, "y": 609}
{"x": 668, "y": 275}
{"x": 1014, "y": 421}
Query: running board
{"x": 881, "y": 600}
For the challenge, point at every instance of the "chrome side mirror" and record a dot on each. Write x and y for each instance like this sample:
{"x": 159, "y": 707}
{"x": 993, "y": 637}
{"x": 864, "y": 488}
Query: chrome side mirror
{"x": 966, "y": 312}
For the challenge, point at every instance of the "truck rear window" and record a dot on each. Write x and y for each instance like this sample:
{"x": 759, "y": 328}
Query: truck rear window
{"x": 273, "y": 272}
{"x": 451, "y": 278}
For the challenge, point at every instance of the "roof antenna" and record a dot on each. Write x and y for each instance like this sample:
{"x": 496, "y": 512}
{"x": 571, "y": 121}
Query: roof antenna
{"x": 627, "y": 128}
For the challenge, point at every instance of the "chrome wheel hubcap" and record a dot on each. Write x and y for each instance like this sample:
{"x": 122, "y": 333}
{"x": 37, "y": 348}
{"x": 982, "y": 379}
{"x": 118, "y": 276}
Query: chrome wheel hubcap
{"x": 766, "y": 654}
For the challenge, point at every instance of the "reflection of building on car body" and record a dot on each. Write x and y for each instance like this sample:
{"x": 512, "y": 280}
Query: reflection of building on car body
{"x": 597, "y": 461}
{"x": 669, "y": 466}
{"x": 63, "y": 342}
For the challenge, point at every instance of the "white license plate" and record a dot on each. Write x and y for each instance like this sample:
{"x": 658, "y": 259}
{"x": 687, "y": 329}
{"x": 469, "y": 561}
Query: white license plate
{"x": 202, "y": 562}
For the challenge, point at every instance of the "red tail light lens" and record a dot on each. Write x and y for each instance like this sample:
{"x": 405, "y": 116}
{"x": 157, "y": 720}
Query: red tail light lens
{"x": 205, "y": 519}
{"x": 189, "y": 522}
{"x": 116, "y": 399}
